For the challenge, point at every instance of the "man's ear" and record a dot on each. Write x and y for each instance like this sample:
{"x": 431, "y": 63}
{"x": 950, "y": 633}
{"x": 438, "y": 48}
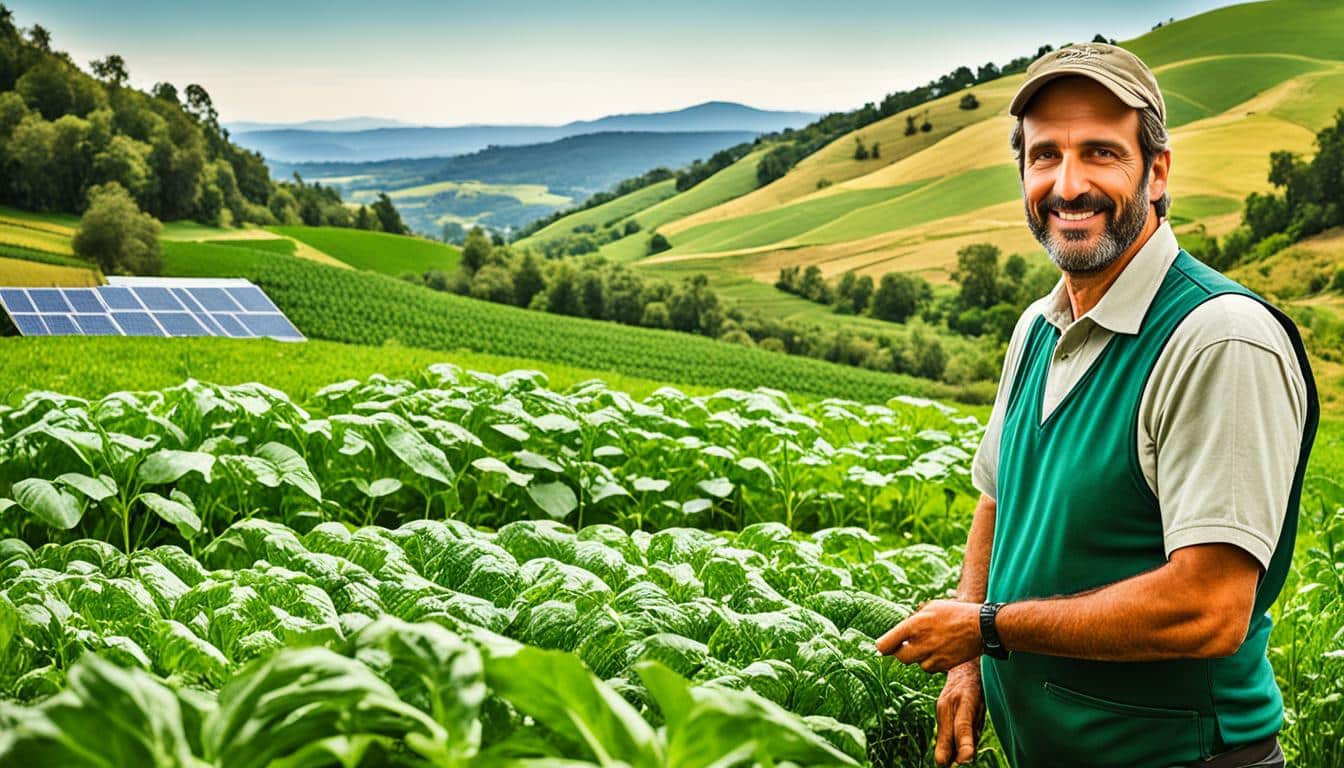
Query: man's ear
{"x": 1157, "y": 181}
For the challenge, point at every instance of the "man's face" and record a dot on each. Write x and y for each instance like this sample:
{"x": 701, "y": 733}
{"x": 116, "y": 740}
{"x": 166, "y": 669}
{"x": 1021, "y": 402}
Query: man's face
{"x": 1084, "y": 185}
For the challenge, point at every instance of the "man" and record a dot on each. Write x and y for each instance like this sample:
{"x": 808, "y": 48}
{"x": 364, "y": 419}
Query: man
{"x": 1140, "y": 474}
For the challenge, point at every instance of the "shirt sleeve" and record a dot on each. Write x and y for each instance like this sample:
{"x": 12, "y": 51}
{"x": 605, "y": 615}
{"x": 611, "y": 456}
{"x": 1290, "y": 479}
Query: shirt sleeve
{"x": 985, "y": 465}
{"x": 1226, "y": 428}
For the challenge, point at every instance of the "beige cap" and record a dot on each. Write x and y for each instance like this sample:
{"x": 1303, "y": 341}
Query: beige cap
{"x": 1119, "y": 70}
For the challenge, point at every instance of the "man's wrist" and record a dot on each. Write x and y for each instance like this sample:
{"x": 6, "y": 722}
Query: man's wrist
{"x": 991, "y": 644}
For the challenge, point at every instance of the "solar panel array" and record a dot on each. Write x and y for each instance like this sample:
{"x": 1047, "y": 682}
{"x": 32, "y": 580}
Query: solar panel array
{"x": 156, "y": 308}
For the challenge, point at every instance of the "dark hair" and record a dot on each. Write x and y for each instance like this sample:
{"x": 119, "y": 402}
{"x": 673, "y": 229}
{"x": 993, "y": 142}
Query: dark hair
{"x": 1152, "y": 142}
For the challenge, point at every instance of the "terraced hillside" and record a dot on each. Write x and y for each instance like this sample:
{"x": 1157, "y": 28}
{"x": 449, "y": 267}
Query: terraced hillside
{"x": 1239, "y": 81}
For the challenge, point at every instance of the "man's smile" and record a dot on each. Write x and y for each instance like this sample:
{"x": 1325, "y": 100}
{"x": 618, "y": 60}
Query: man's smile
{"x": 1075, "y": 215}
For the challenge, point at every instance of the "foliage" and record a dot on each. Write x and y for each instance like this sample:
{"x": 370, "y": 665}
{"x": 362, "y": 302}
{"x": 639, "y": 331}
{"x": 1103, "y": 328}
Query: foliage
{"x": 116, "y": 235}
{"x": 156, "y": 459}
{"x": 1309, "y": 203}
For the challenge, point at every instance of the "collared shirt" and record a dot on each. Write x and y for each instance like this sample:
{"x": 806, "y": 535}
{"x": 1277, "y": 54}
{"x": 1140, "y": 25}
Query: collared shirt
{"x": 1221, "y": 416}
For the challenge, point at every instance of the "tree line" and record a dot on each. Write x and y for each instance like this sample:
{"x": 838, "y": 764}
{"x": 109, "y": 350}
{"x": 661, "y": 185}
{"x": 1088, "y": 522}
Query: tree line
{"x": 67, "y": 136}
{"x": 595, "y": 288}
{"x": 1308, "y": 198}
{"x": 988, "y": 300}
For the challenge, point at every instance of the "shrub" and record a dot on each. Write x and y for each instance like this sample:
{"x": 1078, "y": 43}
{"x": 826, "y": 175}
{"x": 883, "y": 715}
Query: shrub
{"x": 116, "y": 234}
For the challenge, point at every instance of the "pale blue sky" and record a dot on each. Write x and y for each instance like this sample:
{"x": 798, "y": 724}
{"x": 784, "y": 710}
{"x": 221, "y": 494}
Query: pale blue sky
{"x": 549, "y": 61}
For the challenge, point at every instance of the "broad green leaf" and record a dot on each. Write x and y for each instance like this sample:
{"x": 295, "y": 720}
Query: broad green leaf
{"x": 169, "y": 466}
{"x": 291, "y": 468}
{"x": 555, "y": 422}
{"x": 434, "y": 669}
{"x": 649, "y": 484}
{"x": 176, "y": 510}
{"x": 9, "y": 622}
{"x": 54, "y": 506}
{"x": 95, "y": 488}
{"x": 558, "y": 691}
{"x": 512, "y": 431}
{"x": 718, "y": 487}
{"x": 253, "y": 469}
{"x": 107, "y": 718}
{"x": 557, "y": 500}
{"x": 411, "y": 447}
{"x": 717, "y": 726}
{"x": 493, "y": 465}
{"x": 384, "y": 486}
{"x": 281, "y": 704}
{"x": 537, "y": 461}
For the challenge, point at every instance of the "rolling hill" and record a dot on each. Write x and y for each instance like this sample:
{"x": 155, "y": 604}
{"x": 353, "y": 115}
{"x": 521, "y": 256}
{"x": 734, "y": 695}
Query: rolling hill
{"x": 326, "y": 141}
{"x": 1240, "y": 82}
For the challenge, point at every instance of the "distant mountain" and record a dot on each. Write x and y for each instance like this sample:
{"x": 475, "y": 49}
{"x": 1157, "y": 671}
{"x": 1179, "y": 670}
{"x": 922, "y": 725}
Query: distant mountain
{"x": 295, "y": 144}
{"x": 573, "y": 167}
{"x": 341, "y": 124}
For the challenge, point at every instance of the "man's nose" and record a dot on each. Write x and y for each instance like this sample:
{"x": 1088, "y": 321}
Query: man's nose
{"x": 1072, "y": 179}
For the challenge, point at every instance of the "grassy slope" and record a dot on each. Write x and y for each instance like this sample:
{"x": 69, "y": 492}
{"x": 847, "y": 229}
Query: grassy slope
{"x": 612, "y": 210}
{"x": 376, "y": 251}
{"x": 92, "y": 367}
{"x": 1241, "y": 81}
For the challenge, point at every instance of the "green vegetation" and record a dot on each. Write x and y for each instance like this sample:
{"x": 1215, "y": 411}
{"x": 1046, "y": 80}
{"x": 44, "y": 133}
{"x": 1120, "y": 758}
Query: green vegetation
{"x": 1309, "y": 204}
{"x": 1204, "y": 88}
{"x": 635, "y": 581}
{"x": 364, "y": 308}
{"x": 92, "y": 367}
{"x": 116, "y": 235}
{"x": 376, "y": 251}
{"x": 1303, "y": 27}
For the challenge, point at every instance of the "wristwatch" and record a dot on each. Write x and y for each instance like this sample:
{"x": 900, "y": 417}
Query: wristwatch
{"x": 990, "y": 644}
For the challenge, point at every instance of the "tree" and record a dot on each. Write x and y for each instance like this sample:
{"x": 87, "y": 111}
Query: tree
{"x": 165, "y": 92}
{"x": 910, "y": 129}
{"x": 969, "y": 102}
{"x": 116, "y": 234}
{"x": 528, "y": 280}
{"x": 453, "y": 232}
{"x": 493, "y": 283}
{"x": 6, "y": 21}
{"x": 476, "y": 250}
{"x": 111, "y": 70}
{"x": 876, "y": 151}
{"x": 658, "y": 243}
{"x": 200, "y": 105}
{"x": 978, "y": 273}
{"x": 899, "y": 296}
{"x": 40, "y": 38}
{"x": 389, "y": 220}
{"x": 860, "y": 151}
{"x": 364, "y": 219}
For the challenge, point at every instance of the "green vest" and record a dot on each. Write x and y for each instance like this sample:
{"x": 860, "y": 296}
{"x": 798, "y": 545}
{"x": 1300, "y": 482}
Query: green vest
{"x": 1075, "y": 513}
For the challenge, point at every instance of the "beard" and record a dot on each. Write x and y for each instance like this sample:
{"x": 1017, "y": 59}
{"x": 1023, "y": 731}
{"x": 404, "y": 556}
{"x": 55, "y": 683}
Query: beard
{"x": 1069, "y": 249}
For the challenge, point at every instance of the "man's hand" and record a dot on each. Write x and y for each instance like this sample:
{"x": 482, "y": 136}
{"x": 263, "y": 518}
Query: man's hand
{"x": 961, "y": 715}
{"x": 939, "y": 636}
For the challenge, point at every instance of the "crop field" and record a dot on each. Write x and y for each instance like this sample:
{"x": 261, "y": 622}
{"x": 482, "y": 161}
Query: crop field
{"x": 363, "y": 308}
{"x": 1207, "y": 87}
{"x": 376, "y": 251}
{"x": 454, "y": 567}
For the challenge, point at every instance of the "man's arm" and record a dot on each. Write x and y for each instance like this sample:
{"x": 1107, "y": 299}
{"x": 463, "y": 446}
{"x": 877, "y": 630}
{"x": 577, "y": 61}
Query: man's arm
{"x": 1197, "y": 605}
{"x": 979, "y": 542}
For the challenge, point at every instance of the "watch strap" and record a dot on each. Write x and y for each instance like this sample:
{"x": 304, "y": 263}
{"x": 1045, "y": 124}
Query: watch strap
{"x": 990, "y": 643}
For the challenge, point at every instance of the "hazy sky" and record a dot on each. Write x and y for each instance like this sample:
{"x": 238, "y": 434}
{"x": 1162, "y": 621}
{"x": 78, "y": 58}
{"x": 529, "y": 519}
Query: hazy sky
{"x": 550, "y": 61}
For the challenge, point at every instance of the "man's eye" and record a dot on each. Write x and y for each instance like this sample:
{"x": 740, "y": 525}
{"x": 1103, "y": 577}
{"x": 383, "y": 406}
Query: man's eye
{"x": 1105, "y": 153}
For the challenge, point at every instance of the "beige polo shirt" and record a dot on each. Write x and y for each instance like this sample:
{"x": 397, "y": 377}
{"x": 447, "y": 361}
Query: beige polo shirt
{"x": 1220, "y": 419}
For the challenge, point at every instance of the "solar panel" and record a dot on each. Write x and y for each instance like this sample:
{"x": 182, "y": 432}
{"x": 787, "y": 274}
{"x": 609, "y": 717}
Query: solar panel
{"x": 48, "y": 300}
{"x": 17, "y": 300}
{"x": 61, "y": 325}
{"x": 84, "y": 300}
{"x": 31, "y": 325}
{"x": 252, "y": 299}
{"x": 231, "y": 326}
{"x": 158, "y": 298}
{"x": 270, "y": 325}
{"x": 118, "y": 298}
{"x": 96, "y": 325}
{"x": 137, "y": 324}
{"x": 133, "y": 306}
{"x": 180, "y": 324}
